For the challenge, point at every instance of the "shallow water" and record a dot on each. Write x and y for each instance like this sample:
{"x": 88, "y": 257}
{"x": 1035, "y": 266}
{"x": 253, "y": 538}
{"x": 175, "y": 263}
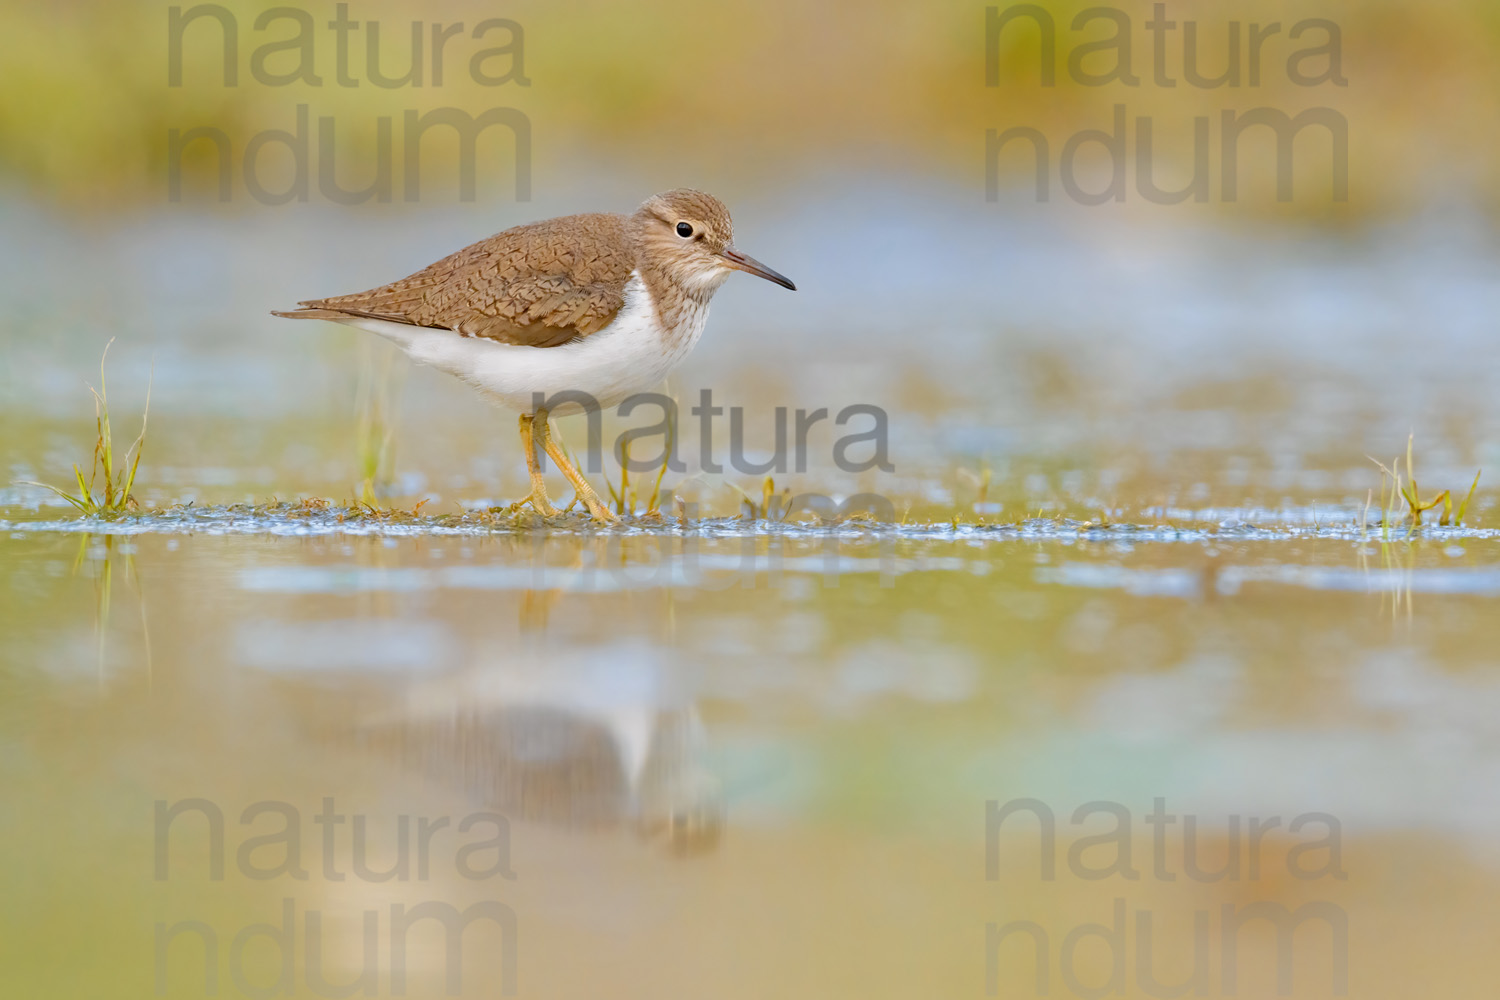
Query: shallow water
{"x": 745, "y": 758}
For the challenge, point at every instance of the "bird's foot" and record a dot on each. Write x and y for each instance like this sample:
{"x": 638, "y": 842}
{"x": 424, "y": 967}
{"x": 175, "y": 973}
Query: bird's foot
{"x": 581, "y": 488}
{"x": 539, "y": 503}
{"x": 599, "y": 512}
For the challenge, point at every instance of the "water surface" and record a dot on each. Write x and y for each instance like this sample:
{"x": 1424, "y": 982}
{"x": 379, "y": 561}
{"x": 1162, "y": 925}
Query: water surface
{"x": 1133, "y": 557}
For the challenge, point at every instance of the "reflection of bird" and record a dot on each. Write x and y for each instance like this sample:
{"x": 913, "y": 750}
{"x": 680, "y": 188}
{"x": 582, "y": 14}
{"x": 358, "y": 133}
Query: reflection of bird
{"x": 537, "y": 752}
{"x": 602, "y": 304}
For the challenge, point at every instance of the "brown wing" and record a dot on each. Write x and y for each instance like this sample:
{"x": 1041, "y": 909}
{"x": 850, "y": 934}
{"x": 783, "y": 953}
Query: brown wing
{"x": 537, "y": 285}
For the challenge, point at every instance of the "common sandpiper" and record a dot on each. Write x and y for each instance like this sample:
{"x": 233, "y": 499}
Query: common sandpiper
{"x": 601, "y": 304}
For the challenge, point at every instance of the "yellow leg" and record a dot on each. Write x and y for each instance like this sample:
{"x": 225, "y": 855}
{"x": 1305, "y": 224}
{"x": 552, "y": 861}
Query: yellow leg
{"x": 538, "y": 498}
{"x": 580, "y": 485}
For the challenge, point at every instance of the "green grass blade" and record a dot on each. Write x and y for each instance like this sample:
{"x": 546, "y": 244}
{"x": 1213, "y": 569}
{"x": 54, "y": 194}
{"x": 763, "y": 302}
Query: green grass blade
{"x": 83, "y": 488}
{"x": 1465, "y": 505}
{"x": 140, "y": 441}
{"x": 75, "y": 501}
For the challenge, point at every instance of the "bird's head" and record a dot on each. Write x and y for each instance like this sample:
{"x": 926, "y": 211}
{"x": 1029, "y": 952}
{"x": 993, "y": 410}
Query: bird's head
{"x": 688, "y": 235}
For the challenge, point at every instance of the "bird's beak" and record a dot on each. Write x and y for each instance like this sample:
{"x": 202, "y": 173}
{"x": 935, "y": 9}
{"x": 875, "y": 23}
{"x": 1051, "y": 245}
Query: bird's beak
{"x": 748, "y": 264}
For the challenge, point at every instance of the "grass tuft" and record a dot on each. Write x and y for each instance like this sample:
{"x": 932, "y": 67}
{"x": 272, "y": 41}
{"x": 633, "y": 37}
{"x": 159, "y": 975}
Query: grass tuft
{"x": 627, "y": 496}
{"x": 118, "y": 482}
{"x": 623, "y": 498}
{"x": 1404, "y": 488}
{"x": 653, "y": 504}
{"x": 772, "y": 506}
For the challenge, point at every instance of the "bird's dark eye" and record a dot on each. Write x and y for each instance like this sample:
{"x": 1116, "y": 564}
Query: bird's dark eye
{"x": 684, "y": 230}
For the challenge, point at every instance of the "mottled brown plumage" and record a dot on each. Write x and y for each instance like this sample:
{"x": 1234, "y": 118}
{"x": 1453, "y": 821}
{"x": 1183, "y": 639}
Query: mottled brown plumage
{"x": 544, "y": 283}
{"x": 540, "y": 284}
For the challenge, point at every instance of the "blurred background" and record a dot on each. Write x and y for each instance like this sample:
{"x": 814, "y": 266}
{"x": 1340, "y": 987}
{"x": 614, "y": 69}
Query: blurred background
{"x": 756, "y": 759}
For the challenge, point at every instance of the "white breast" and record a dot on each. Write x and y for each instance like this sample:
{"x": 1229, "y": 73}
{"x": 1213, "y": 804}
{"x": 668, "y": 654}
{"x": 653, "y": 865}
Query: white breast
{"x": 630, "y": 355}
